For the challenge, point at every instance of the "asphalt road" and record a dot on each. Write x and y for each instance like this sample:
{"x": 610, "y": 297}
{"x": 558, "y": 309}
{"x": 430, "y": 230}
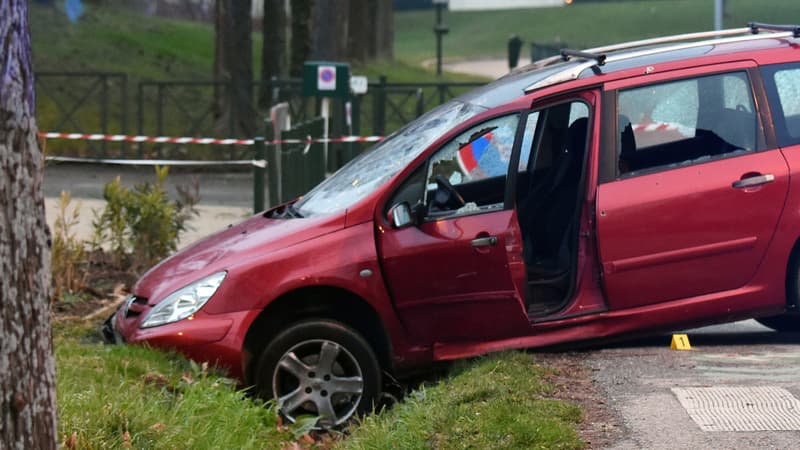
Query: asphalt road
{"x": 637, "y": 379}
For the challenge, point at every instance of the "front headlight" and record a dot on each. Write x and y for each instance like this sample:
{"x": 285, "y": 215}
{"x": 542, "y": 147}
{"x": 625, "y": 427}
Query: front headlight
{"x": 184, "y": 302}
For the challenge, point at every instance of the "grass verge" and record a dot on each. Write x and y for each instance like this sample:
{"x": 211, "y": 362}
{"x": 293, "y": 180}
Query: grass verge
{"x": 499, "y": 402}
{"x": 135, "y": 397}
{"x": 479, "y": 34}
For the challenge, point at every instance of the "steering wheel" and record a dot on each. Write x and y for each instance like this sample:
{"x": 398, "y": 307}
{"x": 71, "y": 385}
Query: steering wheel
{"x": 446, "y": 196}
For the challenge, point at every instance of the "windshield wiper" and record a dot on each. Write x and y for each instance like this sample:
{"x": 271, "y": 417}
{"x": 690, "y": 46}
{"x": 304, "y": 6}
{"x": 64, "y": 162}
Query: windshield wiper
{"x": 287, "y": 212}
{"x": 293, "y": 211}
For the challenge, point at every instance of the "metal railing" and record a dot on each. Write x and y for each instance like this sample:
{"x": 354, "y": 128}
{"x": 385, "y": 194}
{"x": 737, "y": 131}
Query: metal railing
{"x": 83, "y": 102}
{"x": 98, "y": 102}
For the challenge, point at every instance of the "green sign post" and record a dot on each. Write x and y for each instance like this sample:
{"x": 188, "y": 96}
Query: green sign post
{"x": 326, "y": 79}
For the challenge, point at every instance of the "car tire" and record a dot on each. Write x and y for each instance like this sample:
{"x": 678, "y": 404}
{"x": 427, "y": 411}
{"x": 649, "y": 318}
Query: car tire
{"x": 320, "y": 368}
{"x": 788, "y": 322}
{"x": 785, "y": 323}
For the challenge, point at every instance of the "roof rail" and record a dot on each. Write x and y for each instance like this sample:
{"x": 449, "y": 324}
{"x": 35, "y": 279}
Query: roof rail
{"x": 594, "y": 56}
{"x": 670, "y": 39}
{"x": 655, "y": 41}
{"x": 567, "y": 52}
{"x": 755, "y": 27}
{"x": 669, "y": 48}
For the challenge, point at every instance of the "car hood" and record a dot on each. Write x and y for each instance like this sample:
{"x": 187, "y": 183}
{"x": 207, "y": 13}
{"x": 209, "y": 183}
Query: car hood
{"x": 255, "y": 237}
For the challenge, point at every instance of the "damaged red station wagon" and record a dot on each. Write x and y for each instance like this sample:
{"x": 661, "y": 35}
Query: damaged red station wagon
{"x": 635, "y": 188}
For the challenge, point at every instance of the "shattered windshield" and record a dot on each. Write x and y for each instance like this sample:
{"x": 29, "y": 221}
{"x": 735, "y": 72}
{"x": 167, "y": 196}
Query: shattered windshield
{"x": 371, "y": 169}
{"x": 368, "y": 171}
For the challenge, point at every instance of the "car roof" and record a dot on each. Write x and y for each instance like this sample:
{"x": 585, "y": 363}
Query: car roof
{"x": 588, "y": 64}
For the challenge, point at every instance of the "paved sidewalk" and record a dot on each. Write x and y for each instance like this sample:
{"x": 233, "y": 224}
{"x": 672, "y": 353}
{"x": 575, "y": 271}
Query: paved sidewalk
{"x": 211, "y": 218}
{"x": 490, "y": 68}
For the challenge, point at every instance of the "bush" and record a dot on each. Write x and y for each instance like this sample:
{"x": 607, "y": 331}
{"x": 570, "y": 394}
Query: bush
{"x": 68, "y": 253}
{"x": 141, "y": 225}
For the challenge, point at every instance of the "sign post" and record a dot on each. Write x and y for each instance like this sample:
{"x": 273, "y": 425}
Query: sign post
{"x": 326, "y": 80}
{"x": 440, "y": 30}
{"x": 325, "y": 112}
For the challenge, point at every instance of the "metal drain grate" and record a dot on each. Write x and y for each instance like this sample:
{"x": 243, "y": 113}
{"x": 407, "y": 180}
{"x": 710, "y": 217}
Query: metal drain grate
{"x": 741, "y": 408}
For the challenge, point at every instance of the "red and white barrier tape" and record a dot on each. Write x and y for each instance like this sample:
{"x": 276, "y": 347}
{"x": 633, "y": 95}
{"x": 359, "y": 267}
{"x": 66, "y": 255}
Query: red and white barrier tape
{"x": 202, "y": 140}
{"x": 158, "y": 162}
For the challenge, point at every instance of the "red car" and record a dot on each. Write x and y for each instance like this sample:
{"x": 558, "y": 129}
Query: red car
{"x": 630, "y": 189}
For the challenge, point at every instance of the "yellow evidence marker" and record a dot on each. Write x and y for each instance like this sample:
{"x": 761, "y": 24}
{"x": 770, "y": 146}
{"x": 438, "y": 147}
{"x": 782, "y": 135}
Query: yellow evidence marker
{"x": 680, "y": 342}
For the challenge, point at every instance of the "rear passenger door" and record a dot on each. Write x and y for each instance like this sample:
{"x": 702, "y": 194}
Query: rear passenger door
{"x": 695, "y": 194}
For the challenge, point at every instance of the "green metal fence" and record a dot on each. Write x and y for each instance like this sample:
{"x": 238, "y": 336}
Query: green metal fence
{"x": 98, "y": 102}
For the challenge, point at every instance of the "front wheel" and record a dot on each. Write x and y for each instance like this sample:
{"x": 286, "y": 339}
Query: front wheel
{"x": 788, "y": 322}
{"x": 322, "y": 368}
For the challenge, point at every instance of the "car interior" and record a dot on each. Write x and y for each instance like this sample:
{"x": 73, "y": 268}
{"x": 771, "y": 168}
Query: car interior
{"x": 547, "y": 203}
{"x": 718, "y": 119}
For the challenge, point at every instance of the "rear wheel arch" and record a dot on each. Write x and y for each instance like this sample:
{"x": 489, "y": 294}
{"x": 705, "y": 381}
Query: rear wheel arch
{"x": 793, "y": 278}
{"x": 789, "y": 321}
{"x": 317, "y": 302}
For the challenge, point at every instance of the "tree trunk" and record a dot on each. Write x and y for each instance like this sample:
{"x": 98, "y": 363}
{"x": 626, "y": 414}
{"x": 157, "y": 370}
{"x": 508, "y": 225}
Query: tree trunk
{"x": 233, "y": 64}
{"x": 373, "y": 36}
{"x": 27, "y": 368}
{"x": 329, "y": 30}
{"x": 301, "y": 35}
{"x": 273, "y": 51}
{"x": 360, "y": 31}
{"x": 384, "y": 30}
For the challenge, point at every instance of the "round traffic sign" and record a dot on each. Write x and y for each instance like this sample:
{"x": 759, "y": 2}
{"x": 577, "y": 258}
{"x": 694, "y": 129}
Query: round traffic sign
{"x": 327, "y": 75}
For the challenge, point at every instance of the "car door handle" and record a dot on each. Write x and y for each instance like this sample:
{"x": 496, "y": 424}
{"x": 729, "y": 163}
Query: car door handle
{"x": 754, "y": 181}
{"x": 484, "y": 241}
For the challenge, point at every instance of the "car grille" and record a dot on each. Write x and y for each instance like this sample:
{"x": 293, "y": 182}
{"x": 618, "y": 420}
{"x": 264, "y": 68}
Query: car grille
{"x": 133, "y": 306}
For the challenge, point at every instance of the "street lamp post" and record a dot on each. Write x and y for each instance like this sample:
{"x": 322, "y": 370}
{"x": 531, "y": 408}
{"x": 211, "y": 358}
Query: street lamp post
{"x": 440, "y": 29}
{"x": 719, "y": 13}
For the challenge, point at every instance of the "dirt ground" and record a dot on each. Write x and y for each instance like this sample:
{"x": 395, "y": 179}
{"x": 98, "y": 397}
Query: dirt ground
{"x": 572, "y": 380}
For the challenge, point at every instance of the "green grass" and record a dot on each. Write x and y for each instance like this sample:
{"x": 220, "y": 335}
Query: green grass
{"x": 116, "y": 40}
{"x": 580, "y": 25}
{"x": 131, "y": 396}
{"x": 497, "y": 402}
{"x": 117, "y": 396}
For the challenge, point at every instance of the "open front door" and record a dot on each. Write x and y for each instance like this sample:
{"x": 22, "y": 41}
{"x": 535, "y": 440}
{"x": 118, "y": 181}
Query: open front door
{"x": 453, "y": 280}
{"x": 458, "y": 274}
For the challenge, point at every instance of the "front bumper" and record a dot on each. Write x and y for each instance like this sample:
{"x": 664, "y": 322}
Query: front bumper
{"x": 213, "y": 338}
{"x": 110, "y": 334}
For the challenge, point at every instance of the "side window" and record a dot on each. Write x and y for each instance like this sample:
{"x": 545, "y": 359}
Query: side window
{"x": 475, "y": 164}
{"x": 783, "y": 88}
{"x": 527, "y": 140}
{"x": 685, "y": 122}
{"x": 411, "y": 191}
